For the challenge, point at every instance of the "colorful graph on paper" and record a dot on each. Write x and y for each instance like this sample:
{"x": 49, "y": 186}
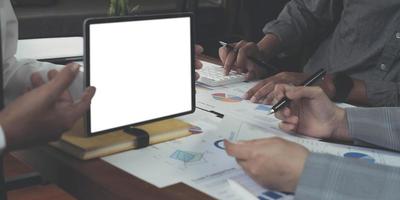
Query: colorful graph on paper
{"x": 186, "y": 157}
{"x": 226, "y": 98}
{"x": 263, "y": 108}
{"x": 361, "y": 156}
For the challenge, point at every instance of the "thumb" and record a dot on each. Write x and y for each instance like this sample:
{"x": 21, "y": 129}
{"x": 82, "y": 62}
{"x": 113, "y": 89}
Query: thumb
{"x": 62, "y": 80}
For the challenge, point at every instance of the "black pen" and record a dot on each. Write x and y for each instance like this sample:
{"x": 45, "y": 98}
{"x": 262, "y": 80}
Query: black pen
{"x": 253, "y": 59}
{"x": 311, "y": 80}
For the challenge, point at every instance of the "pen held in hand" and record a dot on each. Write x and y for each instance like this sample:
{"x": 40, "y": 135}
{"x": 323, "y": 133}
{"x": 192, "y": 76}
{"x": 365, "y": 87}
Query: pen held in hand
{"x": 258, "y": 62}
{"x": 308, "y": 82}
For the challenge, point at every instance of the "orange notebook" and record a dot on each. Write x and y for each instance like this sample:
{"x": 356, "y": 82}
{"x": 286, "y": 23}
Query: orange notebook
{"x": 76, "y": 143}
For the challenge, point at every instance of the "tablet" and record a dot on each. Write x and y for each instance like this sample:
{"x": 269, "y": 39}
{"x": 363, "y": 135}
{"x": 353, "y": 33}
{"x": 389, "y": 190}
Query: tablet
{"x": 142, "y": 68}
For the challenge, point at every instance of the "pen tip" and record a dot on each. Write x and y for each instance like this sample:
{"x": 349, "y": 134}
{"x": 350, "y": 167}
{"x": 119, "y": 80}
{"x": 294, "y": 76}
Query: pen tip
{"x": 271, "y": 112}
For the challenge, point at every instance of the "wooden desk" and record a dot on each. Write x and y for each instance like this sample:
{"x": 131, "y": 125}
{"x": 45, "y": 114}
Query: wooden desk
{"x": 96, "y": 179}
{"x": 13, "y": 168}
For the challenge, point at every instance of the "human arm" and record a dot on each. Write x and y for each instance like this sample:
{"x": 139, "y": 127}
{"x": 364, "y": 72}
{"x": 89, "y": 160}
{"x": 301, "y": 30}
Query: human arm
{"x": 262, "y": 92}
{"x": 299, "y": 22}
{"x": 331, "y": 177}
{"x": 285, "y": 166}
{"x": 17, "y": 72}
{"x": 312, "y": 113}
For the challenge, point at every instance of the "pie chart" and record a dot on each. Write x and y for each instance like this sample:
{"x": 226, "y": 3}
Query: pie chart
{"x": 226, "y": 98}
{"x": 360, "y": 156}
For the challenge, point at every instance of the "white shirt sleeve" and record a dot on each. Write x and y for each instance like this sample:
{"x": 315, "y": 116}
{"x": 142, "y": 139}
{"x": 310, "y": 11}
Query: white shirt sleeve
{"x": 17, "y": 73}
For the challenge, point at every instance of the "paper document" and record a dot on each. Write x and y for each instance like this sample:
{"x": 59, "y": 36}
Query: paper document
{"x": 247, "y": 188}
{"x": 186, "y": 158}
{"x": 217, "y": 185}
{"x": 229, "y": 100}
{"x": 200, "y": 160}
{"x": 239, "y": 130}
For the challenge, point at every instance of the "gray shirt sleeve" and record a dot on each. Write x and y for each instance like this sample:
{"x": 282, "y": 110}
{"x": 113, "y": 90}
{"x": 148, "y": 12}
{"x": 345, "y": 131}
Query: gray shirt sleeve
{"x": 378, "y": 126}
{"x": 303, "y": 20}
{"x": 331, "y": 177}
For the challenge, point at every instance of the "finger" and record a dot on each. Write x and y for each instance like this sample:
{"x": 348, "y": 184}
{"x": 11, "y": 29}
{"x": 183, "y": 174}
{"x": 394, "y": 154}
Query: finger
{"x": 295, "y": 93}
{"x": 80, "y": 107}
{"x": 263, "y": 92}
{"x": 66, "y": 96}
{"x": 61, "y": 82}
{"x": 37, "y": 80}
{"x": 291, "y": 120}
{"x": 249, "y": 94}
{"x": 198, "y": 64}
{"x": 243, "y": 55}
{"x": 237, "y": 150}
{"x": 197, "y": 76}
{"x": 232, "y": 57}
{"x": 51, "y": 74}
{"x": 286, "y": 112}
{"x": 198, "y": 49}
{"x": 286, "y": 127}
{"x": 269, "y": 99}
{"x": 279, "y": 92}
{"x": 223, "y": 53}
{"x": 229, "y": 62}
{"x": 282, "y": 114}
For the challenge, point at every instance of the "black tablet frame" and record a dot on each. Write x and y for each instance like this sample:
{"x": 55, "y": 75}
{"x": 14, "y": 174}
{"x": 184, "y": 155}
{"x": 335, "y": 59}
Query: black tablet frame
{"x": 101, "y": 20}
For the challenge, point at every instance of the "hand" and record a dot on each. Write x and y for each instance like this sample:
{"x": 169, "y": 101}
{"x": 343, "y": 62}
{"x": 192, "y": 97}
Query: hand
{"x": 238, "y": 59}
{"x": 199, "y": 50}
{"x": 311, "y": 113}
{"x": 45, "y": 112}
{"x": 274, "y": 163}
{"x": 263, "y": 91}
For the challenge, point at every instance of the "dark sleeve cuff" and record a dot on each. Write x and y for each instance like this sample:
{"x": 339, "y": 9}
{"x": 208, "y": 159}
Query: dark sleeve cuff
{"x": 331, "y": 177}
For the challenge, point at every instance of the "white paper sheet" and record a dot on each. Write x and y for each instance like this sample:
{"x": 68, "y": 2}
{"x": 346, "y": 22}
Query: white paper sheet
{"x": 200, "y": 160}
{"x": 245, "y": 131}
{"x": 228, "y": 100}
{"x": 171, "y": 162}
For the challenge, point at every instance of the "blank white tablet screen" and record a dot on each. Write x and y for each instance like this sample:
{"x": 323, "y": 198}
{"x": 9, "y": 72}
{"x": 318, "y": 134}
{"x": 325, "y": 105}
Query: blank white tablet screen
{"x": 141, "y": 69}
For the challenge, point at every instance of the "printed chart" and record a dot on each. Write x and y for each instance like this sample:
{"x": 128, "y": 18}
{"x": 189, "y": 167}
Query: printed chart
{"x": 263, "y": 108}
{"x": 226, "y": 98}
{"x": 256, "y": 190}
{"x": 219, "y": 144}
{"x": 187, "y": 157}
{"x": 361, "y": 156}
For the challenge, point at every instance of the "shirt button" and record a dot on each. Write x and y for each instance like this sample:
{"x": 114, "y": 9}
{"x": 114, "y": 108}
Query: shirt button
{"x": 383, "y": 67}
{"x": 398, "y": 35}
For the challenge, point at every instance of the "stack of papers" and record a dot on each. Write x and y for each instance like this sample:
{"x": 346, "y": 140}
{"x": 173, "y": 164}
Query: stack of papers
{"x": 200, "y": 160}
